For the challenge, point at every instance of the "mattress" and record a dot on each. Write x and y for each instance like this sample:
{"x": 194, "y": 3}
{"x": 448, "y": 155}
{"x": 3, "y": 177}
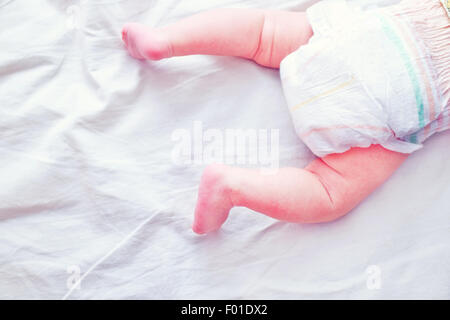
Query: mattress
{"x": 94, "y": 207}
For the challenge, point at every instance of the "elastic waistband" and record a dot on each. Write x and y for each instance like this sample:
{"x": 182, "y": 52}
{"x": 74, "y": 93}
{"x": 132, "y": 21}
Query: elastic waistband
{"x": 430, "y": 23}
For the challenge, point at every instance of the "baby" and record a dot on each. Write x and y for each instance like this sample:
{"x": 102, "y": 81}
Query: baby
{"x": 364, "y": 88}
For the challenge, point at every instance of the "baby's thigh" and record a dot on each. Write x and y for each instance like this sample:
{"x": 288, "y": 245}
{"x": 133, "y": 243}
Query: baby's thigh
{"x": 352, "y": 175}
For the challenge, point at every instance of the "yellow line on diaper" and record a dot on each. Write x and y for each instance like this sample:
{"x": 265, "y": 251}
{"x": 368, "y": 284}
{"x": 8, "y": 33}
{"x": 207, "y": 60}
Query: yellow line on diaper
{"x": 326, "y": 93}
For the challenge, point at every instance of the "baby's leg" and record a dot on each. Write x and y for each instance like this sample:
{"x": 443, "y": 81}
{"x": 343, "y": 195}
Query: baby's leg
{"x": 325, "y": 190}
{"x": 265, "y": 36}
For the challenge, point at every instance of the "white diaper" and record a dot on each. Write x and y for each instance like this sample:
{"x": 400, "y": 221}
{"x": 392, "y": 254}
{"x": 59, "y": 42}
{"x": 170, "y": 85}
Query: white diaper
{"x": 364, "y": 78}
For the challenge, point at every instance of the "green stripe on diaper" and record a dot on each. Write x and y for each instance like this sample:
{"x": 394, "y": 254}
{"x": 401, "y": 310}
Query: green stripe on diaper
{"x": 393, "y": 36}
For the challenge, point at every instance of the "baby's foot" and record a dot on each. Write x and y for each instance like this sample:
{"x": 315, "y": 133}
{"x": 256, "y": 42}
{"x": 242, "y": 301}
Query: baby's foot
{"x": 214, "y": 202}
{"x": 145, "y": 43}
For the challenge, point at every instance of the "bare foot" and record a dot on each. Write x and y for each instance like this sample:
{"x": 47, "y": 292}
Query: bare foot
{"x": 214, "y": 202}
{"x": 145, "y": 43}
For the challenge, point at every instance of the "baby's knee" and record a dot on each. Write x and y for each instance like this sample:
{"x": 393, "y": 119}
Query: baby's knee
{"x": 264, "y": 46}
{"x": 338, "y": 199}
{"x": 281, "y": 33}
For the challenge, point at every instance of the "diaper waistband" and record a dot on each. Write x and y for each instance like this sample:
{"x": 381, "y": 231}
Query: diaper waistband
{"x": 430, "y": 22}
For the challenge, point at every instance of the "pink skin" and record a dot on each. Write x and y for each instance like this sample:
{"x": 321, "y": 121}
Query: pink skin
{"x": 327, "y": 188}
{"x": 265, "y": 36}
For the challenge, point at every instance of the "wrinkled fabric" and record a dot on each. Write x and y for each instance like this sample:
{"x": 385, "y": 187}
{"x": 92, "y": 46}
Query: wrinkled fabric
{"x": 93, "y": 207}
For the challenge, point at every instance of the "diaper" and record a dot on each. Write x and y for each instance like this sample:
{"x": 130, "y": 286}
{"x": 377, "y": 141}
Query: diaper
{"x": 370, "y": 77}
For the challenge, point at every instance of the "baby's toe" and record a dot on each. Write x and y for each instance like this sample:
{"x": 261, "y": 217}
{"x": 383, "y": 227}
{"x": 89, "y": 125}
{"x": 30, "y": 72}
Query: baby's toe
{"x": 126, "y": 33}
{"x": 129, "y": 39}
{"x": 124, "y": 37}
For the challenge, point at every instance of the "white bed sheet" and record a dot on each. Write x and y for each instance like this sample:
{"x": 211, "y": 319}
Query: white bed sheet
{"x": 89, "y": 193}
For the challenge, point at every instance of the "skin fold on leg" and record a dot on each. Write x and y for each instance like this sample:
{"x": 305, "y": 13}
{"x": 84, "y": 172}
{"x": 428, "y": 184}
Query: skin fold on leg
{"x": 325, "y": 190}
{"x": 265, "y": 36}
